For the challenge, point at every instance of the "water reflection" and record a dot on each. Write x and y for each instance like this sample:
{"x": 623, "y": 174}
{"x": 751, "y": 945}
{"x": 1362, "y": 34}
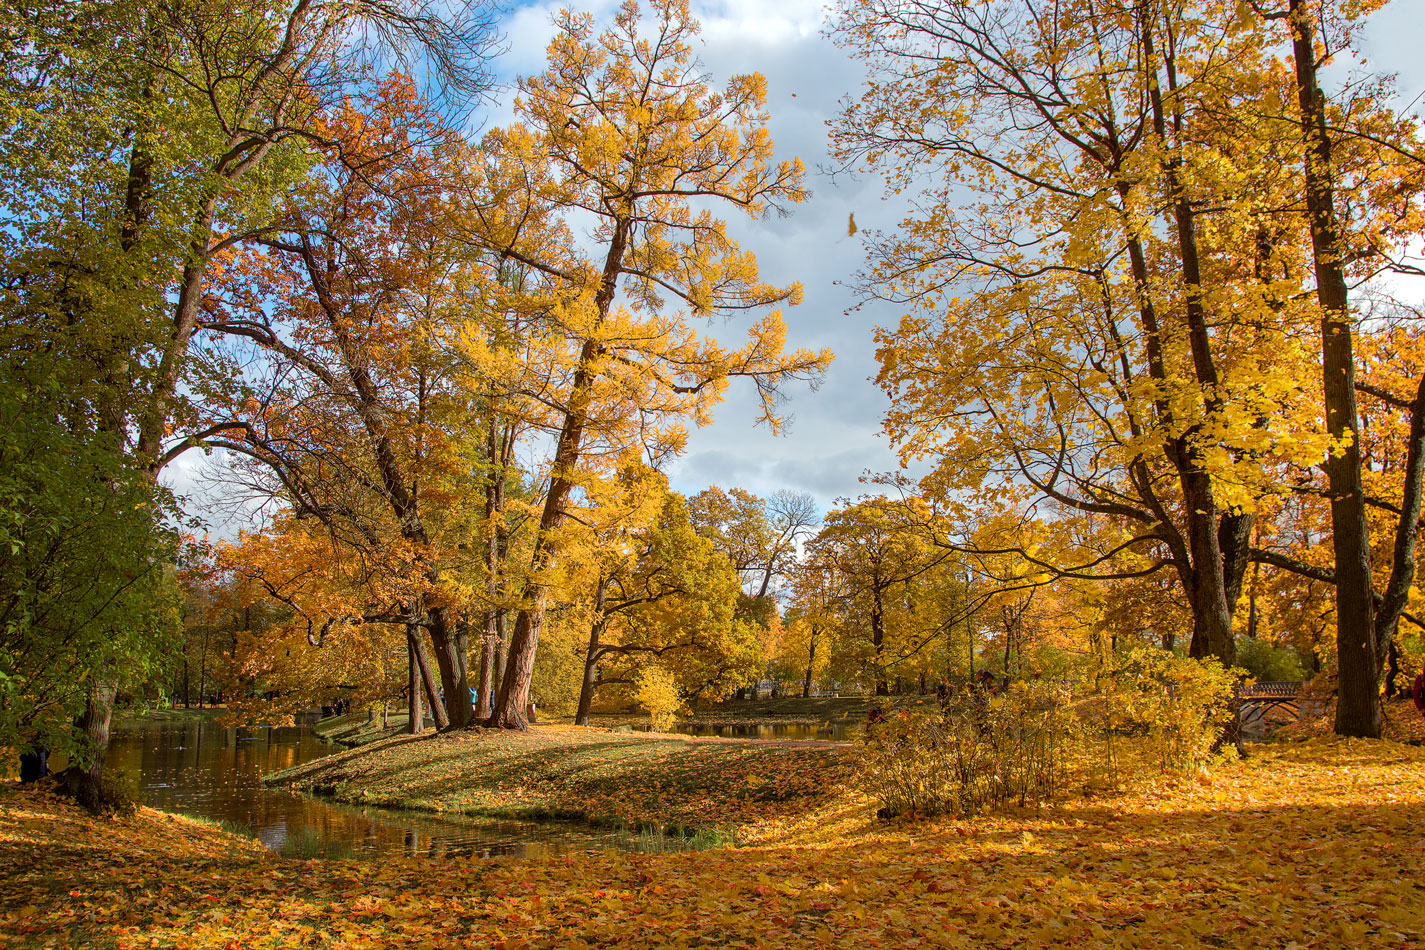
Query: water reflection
{"x": 835, "y": 729}
{"x": 212, "y": 772}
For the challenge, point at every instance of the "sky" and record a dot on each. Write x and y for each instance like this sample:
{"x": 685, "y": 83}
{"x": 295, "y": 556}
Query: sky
{"x": 833, "y": 436}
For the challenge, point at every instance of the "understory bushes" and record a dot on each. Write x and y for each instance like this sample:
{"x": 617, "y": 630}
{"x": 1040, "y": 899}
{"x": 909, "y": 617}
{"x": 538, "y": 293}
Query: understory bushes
{"x": 1033, "y": 741}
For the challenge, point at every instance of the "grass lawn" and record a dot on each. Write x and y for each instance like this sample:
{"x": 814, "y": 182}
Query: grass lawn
{"x": 636, "y": 780}
{"x": 753, "y": 712}
{"x": 353, "y": 729}
{"x": 1304, "y": 845}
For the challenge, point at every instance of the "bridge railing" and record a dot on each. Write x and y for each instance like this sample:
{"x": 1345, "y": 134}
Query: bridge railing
{"x": 1272, "y": 690}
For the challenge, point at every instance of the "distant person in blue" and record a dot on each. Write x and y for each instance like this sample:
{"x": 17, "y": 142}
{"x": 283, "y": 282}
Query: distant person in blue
{"x": 474, "y": 699}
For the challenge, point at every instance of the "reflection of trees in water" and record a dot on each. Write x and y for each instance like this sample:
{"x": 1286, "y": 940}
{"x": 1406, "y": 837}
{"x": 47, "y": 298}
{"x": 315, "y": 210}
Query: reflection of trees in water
{"x": 216, "y": 773}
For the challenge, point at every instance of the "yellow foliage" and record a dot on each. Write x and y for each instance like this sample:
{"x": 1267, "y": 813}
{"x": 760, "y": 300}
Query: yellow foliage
{"x": 657, "y": 692}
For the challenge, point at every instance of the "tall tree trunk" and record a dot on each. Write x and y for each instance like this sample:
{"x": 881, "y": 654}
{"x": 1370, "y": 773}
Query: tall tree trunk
{"x": 418, "y": 650}
{"x": 591, "y": 656}
{"x": 878, "y": 639}
{"x": 415, "y": 723}
{"x": 811, "y": 661}
{"x": 1358, "y": 709}
{"x": 85, "y": 782}
{"x": 510, "y": 703}
{"x": 493, "y": 509}
{"x": 497, "y": 677}
{"x": 591, "y": 679}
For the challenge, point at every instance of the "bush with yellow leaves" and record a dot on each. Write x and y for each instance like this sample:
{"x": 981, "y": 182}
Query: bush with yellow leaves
{"x": 1174, "y": 708}
{"x": 1028, "y": 744}
{"x": 657, "y": 691}
{"x": 978, "y": 752}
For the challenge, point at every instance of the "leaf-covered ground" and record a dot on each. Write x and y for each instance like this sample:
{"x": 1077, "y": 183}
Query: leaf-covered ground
{"x": 1306, "y": 845}
{"x": 637, "y": 780}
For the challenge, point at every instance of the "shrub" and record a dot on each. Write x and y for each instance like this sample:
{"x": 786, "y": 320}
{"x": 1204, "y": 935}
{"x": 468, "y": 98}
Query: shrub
{"x": 978, "y": 753}
{"x": 1180, "y": 707}
{"x": 657, "y": 692}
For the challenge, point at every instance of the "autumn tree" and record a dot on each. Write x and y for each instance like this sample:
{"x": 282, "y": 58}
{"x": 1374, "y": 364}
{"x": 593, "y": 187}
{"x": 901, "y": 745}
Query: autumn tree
{"x": 356, "y": 423}
{"x": 627, "y": 134}
{"x": 816, "y": 589}
{"x": 307, "y": 622}
{"x": 877, "y": 552}
{"x": 759, "y": 536}
{"x": 1357, "y": 221}
{"x": 663, "y": 595}
{"x": 1103, "y": 292}
{"x": 146, "y": 139}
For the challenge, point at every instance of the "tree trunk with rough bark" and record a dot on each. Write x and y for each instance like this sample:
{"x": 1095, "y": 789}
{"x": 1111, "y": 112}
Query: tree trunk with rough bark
{"x": 86, "y": 782}
{"x": 1358, "y": 708}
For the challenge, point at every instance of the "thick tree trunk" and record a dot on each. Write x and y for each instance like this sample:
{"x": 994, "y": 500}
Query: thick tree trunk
{"x": 1211, "y": 609}
{"x": 86, "y": 781}
{"x": 1358, "y": 708}
{"x": 452, "y": 651}
{"x": 510, "y": 702}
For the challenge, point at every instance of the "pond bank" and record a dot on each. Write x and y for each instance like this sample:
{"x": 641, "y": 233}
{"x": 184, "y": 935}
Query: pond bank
{"x": 721, "y": 789}
{"x": 213, "y": 772}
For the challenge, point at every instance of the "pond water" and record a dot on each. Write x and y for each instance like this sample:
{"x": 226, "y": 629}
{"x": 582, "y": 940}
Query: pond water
{"x": 208, "y": 771}
{"x": 836, "y": 729}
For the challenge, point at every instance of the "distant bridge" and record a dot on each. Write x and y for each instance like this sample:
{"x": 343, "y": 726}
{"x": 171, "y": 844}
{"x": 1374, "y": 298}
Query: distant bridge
{"x": 1257, "y": 700}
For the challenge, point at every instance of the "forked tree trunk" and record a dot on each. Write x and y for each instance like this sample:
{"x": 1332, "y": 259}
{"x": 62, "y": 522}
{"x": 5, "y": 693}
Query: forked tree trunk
{"x": 452, "y": 650}
{"x": 418, "y": 652}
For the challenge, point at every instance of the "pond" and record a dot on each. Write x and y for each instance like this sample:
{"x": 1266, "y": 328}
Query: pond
{"x": 212, "y": 772}
{"x": 836, "y": 729}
